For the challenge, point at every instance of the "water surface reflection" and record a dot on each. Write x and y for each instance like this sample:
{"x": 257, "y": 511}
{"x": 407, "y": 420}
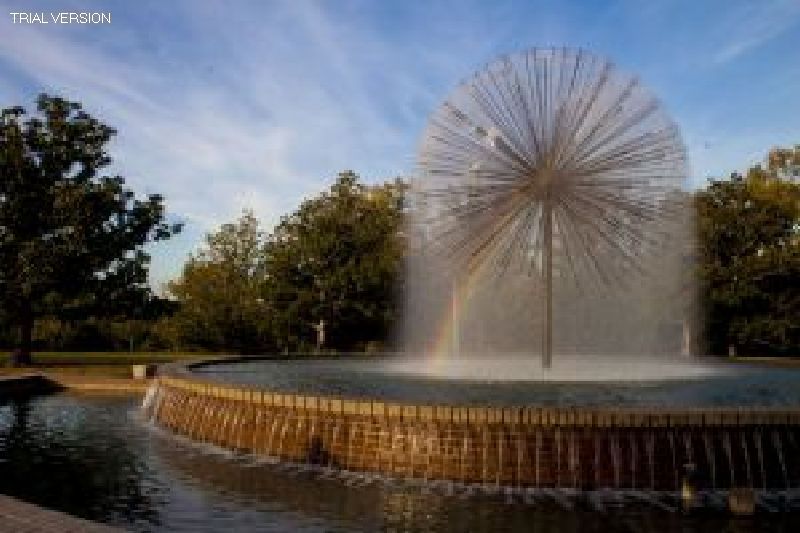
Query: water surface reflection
{"x": 94, "y": 457}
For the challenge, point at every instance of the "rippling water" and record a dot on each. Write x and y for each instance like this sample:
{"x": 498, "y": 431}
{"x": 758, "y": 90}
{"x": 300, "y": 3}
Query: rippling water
{"x": 93, "y": 456}
{"x": 686, "y": 385}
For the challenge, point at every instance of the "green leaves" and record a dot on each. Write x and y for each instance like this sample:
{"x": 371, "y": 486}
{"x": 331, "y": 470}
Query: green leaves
{"x": 70, "y": 237}
{"x": 335, "y": 259}
{"x": 221, "y": 293}
{"x": 750, "y": 269}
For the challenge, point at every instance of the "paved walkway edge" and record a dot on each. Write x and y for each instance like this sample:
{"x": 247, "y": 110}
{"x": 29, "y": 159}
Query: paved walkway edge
{"x": 31, "y": 384}
{"x": 17, "y": 516}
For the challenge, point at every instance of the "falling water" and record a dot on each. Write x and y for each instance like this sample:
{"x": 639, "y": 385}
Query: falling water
{"x": 615, "y": 458}
{"x": 462, "y": 457}
{"x": 298, "y": 428}
{"x": 520, "y": 459}
{"x": 687, "y": 444}
{"x": 427, "y": 453}
{"x": 746, "y": 452}
{"x": 776, "y": 441}
{"x": 282, "y": 439}
{"x": 671, "y": 439}
{"x": 650, "y": 450}
{"x": 485, "y": 457}
{"x": 596, "y": 441}
{"x": 272, "y": 433}
{"x": 538, "y": 453}
{"x": 499, "y": 471}
{"x": 557, "y": 438}
{"x": 396, "y": 436}
{"x": 349, "y": 456}
{"x": 574, "y": 459}
{"x": 710, "y": 459}
{"x": 492, "y": 456}
{"x": 726, "y": 445}
{"x": 760, "y": 452}
{"x": 227, "y": 414}
{"x": 634, "y": 458}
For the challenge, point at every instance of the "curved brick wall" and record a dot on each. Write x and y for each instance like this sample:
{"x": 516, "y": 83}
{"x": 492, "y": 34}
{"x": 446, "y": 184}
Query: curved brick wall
{"x": 517, "y": 447}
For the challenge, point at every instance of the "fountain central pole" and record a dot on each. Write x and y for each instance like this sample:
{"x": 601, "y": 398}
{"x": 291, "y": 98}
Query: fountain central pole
{"x": 547, "y": 258}
{"x": 455, "y": 341}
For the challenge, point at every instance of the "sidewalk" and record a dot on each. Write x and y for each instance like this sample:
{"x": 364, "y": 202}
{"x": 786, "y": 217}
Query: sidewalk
{"x": 20, "y": 517}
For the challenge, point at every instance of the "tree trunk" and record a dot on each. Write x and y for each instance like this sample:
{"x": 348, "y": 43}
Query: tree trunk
{"x": 21, "y": 356}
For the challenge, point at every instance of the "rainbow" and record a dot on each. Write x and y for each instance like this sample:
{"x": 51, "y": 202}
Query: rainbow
{"x": 444, "y": 343}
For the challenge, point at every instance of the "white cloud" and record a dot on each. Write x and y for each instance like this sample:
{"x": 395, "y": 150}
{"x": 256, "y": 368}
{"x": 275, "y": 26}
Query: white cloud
{"x": 752, "y": 24}
{"x": 259, "y": 129}
{"x": 221, "y": 107}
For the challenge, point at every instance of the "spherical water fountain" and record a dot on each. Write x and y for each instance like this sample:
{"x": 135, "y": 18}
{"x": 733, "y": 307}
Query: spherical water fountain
{"x": 548, "y": 182}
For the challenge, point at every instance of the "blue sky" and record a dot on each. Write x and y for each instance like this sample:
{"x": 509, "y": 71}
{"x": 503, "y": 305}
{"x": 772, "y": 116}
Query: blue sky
{"x": 222, "y": 106}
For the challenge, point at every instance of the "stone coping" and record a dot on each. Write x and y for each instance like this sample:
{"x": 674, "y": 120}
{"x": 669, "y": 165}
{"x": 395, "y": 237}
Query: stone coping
{"x": 105, "y": 385}
{"x": 522, "y": 446}
{"x": 31, "y": 384}
{"x": 643, "y": 417}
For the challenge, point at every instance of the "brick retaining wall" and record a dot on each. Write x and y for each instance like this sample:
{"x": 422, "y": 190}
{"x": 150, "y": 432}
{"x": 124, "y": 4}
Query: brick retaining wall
{"x": 509, "y": 446}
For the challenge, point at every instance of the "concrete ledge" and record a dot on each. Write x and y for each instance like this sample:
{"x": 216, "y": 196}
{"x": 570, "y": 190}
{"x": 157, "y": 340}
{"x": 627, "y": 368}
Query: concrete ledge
{"x": 17, "y": 516}
{"x": 605, "y": 417}
{"x": 102, "y": 385}
{"x": 33, "y": 384}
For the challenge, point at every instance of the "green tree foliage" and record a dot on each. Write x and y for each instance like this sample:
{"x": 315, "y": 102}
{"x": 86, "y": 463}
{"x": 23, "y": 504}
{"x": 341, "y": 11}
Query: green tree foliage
{"x": 784, "y": 162}
{"x": 336, "y": 260}
{"x": 70, "y": 237}
{"x": 749, "y": 238}
{"x": 220, "y": 292}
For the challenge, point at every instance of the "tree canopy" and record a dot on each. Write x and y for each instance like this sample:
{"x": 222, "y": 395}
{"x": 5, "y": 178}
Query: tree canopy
{"x": 331, "y": 266}
{"x": 336, "y": 262}
{"x": 784, "y": 162}
{"x": 71, "y": 237}
{"x": 73, "y": 264}
{"x": 749, "y": 238}
{"x": 221, "y": 293}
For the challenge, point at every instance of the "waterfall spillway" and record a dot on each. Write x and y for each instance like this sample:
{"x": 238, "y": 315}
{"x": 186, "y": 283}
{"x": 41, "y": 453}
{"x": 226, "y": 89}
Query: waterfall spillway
{"x": 498, "y": 447}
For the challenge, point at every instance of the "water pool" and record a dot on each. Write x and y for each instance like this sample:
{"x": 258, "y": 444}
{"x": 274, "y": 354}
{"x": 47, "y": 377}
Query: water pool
{"x": 94, "y": 457}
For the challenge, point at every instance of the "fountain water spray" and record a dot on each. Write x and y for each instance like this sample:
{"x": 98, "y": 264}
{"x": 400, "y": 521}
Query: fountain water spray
{"x": 553, "y": 162}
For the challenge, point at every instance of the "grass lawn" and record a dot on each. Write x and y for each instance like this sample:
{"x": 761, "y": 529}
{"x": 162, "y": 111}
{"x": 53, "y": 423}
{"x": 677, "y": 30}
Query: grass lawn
{"x": 95, "y": 364}
{"x": 785, "y": 361}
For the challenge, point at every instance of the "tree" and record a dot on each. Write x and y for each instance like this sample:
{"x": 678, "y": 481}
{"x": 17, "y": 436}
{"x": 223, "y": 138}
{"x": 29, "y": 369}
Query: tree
{"x": 70, "y": 237}
{"x": 333, "y": 265}
{"x": 784, "y": 162}
{"x": 220, "y": 292}
{"x": 749, "y": 238}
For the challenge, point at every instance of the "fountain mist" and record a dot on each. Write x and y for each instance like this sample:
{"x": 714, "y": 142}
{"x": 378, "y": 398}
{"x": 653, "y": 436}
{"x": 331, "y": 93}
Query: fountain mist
{"x": 548, "y": 216}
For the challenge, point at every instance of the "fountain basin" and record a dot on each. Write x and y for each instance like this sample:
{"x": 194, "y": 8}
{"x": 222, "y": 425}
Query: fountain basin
{"x": 510, "y": 381}
{"x": 589, "y": 447}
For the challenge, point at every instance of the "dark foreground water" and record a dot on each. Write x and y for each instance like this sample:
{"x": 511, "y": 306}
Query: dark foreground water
{"x": 93, "y": 457}
{"x": 697, "y": 385}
